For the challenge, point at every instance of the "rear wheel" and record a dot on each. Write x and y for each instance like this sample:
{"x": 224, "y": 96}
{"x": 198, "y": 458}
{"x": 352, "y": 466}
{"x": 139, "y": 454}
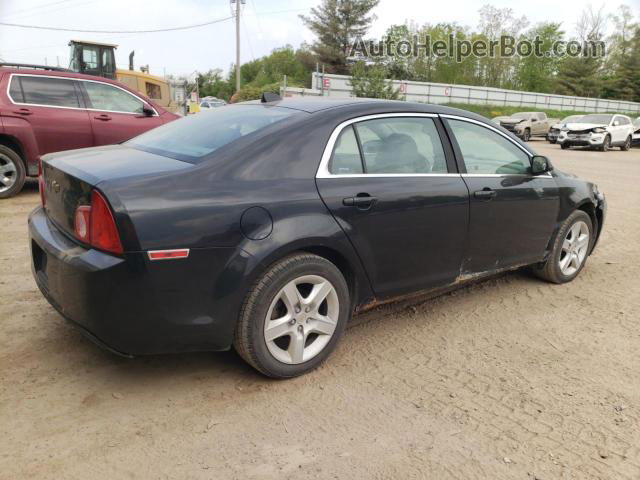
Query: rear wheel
{"x": 627, "y": 144}
{"x": 294, "y": 316}
{"x": 12, "y": 172}
{"x": 570, "y": 250}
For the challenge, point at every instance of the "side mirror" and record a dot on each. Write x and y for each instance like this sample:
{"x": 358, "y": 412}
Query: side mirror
{"x": 534, "y": 120}
{"x": 540, "y": 165}
{"x": 147, "y": 111}
{"x": 616, "y": 123}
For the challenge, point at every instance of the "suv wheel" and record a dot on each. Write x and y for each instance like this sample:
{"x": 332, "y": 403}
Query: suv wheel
{"x": 606, "y": 144}
{"x": 627, "y": 144}
{"x": 526, "y": 136}
{"x": 293, "y": 317}
{"x": 12, "y": 172}
{"x": 570, "y": 250}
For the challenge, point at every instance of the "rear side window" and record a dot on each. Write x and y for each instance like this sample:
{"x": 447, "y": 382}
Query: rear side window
{"x": 194, "y": 137}
{"x": 486, "y": 152}
{"x": 53, "y": 92}
{"x": 112, "y": 99}
{"x": 401, "y": 145}
{"x": 346, "y": 158}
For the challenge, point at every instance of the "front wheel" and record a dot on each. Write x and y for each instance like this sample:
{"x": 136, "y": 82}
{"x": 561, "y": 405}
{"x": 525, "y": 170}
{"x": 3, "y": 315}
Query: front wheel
{"x": 606, "y": 144}
{"x": 564, "y": 146}
{"x": 526, "y": 136}
{"x": 570, "y": 250}
{"x": 293, "y": 317}
{"x": 627, "y": 144}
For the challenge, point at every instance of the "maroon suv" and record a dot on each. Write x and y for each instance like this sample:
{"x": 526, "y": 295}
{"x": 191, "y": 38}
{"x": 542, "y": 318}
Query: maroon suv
{"x": 47, "y": 110}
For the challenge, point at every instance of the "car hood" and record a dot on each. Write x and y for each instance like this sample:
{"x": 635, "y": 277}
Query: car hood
{"x": 513, "y": 121}
{"x": 585, "y": 126}
{"x": 112, "y": 162}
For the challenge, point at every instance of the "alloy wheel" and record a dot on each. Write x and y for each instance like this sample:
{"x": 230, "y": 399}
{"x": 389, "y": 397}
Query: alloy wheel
{"x": 8, "y": 173}
{"x": 302, "y": 319}
{"x": 574, "y": 248}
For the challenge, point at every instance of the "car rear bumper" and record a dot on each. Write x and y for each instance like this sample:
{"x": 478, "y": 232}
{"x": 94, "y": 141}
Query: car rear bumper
{"x": 134, "y": 306}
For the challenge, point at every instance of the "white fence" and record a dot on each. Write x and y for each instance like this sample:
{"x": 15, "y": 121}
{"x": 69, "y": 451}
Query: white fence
{"x": 440, "y": 93}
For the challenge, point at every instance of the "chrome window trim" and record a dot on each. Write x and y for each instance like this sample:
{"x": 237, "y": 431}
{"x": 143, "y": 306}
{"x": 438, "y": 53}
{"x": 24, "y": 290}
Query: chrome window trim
{"x": 155, "y": 112}
{"x": 492, "y": 128}
{"x": 323, "y": 168}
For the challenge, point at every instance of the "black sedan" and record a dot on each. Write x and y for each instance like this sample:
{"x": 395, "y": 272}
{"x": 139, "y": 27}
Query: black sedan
{"x": 265, "y": 225}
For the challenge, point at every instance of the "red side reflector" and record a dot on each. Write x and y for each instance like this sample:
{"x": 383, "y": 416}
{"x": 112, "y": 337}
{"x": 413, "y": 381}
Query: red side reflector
{"x": 168, "y": 254}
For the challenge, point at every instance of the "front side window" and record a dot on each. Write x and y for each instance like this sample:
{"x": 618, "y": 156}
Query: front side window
{"x": 194, "y": 137}
{"x": 106, "y": 97}
{"x": 486, "y": 152}
{"x": 622, "y": 120}
{"x": 90, "y": 58}
{"x": 53, "y": 92}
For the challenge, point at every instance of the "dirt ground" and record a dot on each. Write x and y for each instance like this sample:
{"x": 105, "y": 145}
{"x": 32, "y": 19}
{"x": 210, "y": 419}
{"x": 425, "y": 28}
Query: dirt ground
{"x": 509, "y": 379}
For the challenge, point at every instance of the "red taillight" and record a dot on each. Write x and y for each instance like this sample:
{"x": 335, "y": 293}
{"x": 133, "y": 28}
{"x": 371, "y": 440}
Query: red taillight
{"x": 96, "y": 226}
{"x": 43, "y": 197}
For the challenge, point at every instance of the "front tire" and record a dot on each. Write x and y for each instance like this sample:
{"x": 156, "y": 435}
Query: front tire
{"x": 606, "y": 144}
{"x": 526, "y": 136}
{"x": 627, "y": 144}
{"x": 12, "y": 172}
{"x": 570, "y": 250}
{"x": 293, "y": 317}
{"x": 564, "y": 146}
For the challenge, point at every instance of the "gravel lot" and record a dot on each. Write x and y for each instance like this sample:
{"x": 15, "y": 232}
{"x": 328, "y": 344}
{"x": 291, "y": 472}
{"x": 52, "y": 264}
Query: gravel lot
{"x": 511, "y": 378}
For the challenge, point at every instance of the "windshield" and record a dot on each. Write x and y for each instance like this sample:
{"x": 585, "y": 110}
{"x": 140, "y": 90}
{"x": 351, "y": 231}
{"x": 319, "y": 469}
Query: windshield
{"x": 193, "y": 137}
{"x": 571, "y": 119}
{"x": 521, "y": 115}
{"x": 636, "y": 122}
{"x": 603, "y": 119}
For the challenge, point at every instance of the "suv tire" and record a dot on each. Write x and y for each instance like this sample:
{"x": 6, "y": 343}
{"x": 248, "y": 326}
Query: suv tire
{"x": 12, "y": 172}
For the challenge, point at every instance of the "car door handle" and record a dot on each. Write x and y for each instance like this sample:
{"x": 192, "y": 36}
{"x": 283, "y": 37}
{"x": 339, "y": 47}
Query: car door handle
{"x": 23, "y": 111}
{"x": 363, "y": 202}
{"x": 485, "y": 194}
{"x": 104, "y": 117}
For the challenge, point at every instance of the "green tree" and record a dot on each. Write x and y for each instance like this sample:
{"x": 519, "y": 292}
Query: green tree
{"x": 370, "y": 81}
{"x": 337, "y": 24}
{"x": 537, "y": 73}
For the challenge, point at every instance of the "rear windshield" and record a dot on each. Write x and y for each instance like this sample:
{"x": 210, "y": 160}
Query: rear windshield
{"x": 194, "y": 137}
{"x": 605, "y": 119}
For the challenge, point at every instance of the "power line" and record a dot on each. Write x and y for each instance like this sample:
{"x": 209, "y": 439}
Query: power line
{"x": 59, "y": 29}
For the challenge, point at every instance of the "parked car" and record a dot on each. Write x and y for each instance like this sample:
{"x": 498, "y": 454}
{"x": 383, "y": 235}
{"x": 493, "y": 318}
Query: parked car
{"x": 636, "y": 132}
{"x": 212, "y": 104}
{"x": 556, "y": 128}
{"x": 527, "y": 124}
{"x": 45, "y": 110}
{"x": 500, "y": 119}
{"x": 601, "y": 131}
{"x": 263, "y": 226}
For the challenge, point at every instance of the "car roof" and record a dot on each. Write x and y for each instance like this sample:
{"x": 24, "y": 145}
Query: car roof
{"x": 56, "y": 73}
{"x": 348, "y": 105}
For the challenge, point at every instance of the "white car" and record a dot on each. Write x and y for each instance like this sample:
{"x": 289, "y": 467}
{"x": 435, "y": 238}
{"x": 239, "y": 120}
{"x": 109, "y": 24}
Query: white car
{"x": 598, "y": 130}
{"x": 556, "y": 128}
{"x": 636, "y": 133}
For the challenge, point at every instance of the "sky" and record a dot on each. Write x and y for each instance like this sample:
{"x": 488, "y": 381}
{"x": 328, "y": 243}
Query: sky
{"x": 265, "y": 25}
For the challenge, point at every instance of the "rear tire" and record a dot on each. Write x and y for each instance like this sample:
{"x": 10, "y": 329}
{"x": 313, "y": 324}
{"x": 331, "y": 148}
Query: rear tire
{"x": 12, "y": 172}
{"x": 627, "y": 144}
{"x": 570, "y": 250}
{"x": 300, "y": 300}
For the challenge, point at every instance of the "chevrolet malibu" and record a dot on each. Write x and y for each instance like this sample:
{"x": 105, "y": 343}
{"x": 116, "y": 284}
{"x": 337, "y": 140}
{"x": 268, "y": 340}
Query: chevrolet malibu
{"x": 263, "y": 226}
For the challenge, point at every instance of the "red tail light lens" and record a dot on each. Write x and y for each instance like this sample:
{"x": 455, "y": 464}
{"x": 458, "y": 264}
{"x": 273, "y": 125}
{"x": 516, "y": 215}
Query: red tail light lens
{"x": 96, "y": 226}
{"x": 43, "y": 198}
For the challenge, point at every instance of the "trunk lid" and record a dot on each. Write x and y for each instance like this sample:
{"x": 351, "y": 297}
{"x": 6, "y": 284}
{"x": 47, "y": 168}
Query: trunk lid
{"x": 70, "y": 176}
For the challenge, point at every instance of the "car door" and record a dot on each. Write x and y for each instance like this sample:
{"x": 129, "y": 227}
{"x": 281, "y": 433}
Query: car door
{"x": 395, "y": 192}
{"x": 116, "y": 115}
{"x": 53, "y": 108}
{"x": 541, "y": 125}
{"x": 512, "y": 212}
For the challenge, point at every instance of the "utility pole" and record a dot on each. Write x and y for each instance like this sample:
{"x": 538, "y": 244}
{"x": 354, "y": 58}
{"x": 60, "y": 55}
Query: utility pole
{"x": 237, "y": 44}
